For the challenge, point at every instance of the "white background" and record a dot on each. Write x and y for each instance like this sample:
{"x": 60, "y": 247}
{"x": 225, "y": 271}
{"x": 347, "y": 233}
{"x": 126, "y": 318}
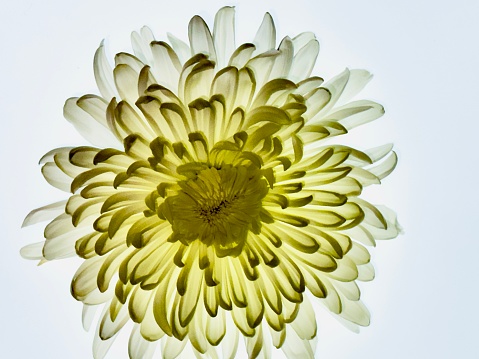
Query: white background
{"x": 424, "y": 55}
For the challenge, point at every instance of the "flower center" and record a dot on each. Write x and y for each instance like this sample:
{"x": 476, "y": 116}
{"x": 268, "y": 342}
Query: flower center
{"x": 217, "y": 206}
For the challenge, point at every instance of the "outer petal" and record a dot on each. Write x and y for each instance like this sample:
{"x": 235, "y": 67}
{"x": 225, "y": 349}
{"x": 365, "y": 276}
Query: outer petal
{"x": 224, "y": 35}
{"x": 200, "y": 37}
{"x": 265, "y": 38}
{"x": 86, "y": 121}
{"x": 103, "y": 74}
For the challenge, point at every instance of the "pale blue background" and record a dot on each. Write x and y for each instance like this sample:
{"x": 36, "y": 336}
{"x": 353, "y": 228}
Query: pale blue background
{"x": 424, "y": 55}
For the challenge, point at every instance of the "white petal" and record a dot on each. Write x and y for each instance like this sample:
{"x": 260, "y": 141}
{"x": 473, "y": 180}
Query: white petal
{"x": 299, "y": 41}
{"x": 393, "y": 226}
{"x": 262, "y": 66}
{"x": 295, "y": 347}
{"x": 385, "y": 167}
{"x": 304, "y": 61}
{"x": 44, "y": 213}
{"x": 224, "y": 35}
{"x": 358, "y": 79}
{"x": 356, "y": 312}
{"x": 241, "y": 55}
{"x": 254, "y": 344}
{"x": 200, "y": 38}
{"x": 63, "y": 246}
{"x": 366, "y": 272}
{"x": 229, "y": 344}
{"x": 335, "y": 86}
{"x": 103, "y": 74}
{"x": 356, "y": 113}
{"x": 33, "y": 251}
{"x": 181, "y": 48}
{"x": 172, "y": 347}
{"x": 349, "y": 289}
{"x": 141, "y": 44}
{"x": 138, "y": 347}
{"x": 308, "y": 85}
{"x": 88, "y": 126}
{"x": 379, "y": 152}
{"x": 167, "y": 67}
{"x": 196, "y": 332}
{"x": 109, "y": 328}
{"x": 126, "y": 81}
{"x": 56, "y": 177}
{"x": 282, "y": 64}
{"x": 265, "y": 38}
{"x": 88, "y": 313}
{"x": 347, "y": 324}
{"x": 305, "y": 323}
{"x": 101, "y": 347}
{"x": 95, "y": 106}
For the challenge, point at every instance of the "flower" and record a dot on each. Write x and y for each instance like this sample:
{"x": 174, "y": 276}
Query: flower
{"x": 212, "y": 205}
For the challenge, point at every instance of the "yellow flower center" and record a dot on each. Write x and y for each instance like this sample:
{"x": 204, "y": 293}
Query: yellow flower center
{"x": 217, "y": 206}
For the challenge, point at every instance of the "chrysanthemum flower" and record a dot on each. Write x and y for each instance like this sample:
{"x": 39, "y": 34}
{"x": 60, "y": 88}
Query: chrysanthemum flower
{"x": 210, "y": 207}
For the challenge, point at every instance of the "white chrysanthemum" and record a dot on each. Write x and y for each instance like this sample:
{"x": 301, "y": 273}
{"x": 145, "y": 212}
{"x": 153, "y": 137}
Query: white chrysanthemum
{"x": 210, "y": 208}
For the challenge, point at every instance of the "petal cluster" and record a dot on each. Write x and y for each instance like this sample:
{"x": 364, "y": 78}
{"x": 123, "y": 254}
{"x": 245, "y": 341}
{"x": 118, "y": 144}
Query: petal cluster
{"x": 209, "y": 206}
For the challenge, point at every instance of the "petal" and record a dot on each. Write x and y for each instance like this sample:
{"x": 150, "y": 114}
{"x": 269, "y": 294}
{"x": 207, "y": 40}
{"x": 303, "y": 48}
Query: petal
{"x": 295, "y": 347}
{"x": 141, "y": 44}
{"x": 229, "y": 344}
{"x": 305, "y": 323}
{"x": 215, "y": 329}
{"x": 138, "y": 347}
{"x": 88, "y": 313}
{"x": 356, "y": 113}
{"x": 86, "y": 121}
{"x": 358, "y": 79}
{"x": 284, "y": 60}
{"x": 167, "y": 66}
{"x": 44, "y": 213}
{"x": 224, "y": 35}
{"x": 304, "y": 61}
{"x": 126, "y": 82}
{"x": 254, "y": 344}
{"x": 356, "y": 312}
{"x": 366, "y": 272}
{"x": 181, "y": 48}
{"x": 109, "y": 327}
{"x": 241, "y": 55}
{"x": 124, "y": 58}
{"x": 265, "y": 38}
{"x": 172, "y": 347}
{"x": 385, "y": 167}
{"x": 200, "y": 37}
{"x": 33, "y": 251}
{"x": 103, "y": 74}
